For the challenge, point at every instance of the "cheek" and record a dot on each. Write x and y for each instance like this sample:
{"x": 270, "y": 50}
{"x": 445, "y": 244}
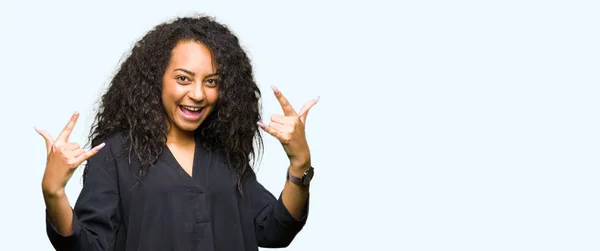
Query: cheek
{"x": 171, "y": 91}
{"x": 213, "y": 95}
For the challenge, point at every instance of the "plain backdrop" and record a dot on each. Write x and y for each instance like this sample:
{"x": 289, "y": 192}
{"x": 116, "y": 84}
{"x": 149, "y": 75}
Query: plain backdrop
{"x": 442, "y": 125}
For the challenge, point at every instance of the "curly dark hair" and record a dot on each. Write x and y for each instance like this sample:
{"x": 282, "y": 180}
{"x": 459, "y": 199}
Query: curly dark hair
{"x": 132, "y": 105}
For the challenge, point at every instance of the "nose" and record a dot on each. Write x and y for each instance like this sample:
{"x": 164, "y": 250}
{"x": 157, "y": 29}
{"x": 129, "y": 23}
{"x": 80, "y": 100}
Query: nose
{"x": 196, "y": 93}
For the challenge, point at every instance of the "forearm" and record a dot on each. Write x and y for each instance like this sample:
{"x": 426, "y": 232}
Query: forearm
{"x": 60, "y": 212}
{"x": 295, "y": 196}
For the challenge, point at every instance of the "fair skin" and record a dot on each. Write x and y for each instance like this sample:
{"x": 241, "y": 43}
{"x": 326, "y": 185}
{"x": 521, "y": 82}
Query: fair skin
{"x": 190, "y": 92}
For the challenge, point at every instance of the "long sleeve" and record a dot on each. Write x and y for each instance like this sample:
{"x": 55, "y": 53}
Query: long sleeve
{"x": 96, "y": 214}
{"x": 274, "y": 225}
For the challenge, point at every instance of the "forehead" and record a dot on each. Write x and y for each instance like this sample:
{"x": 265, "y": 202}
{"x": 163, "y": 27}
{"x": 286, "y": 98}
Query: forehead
{"x": 193, "y": 56}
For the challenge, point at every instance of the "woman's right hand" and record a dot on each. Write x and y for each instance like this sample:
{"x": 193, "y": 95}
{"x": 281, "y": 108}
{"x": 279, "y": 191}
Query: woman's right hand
{"x": 63, "y": 158}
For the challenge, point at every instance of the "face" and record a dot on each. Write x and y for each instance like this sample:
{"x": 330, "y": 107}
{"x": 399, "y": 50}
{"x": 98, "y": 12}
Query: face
{"x": 190, "y": 86}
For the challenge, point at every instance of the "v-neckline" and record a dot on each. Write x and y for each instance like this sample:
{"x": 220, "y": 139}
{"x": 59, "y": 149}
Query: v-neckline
{"x": 179, "y": 166}
{"x": 201, "y": 166}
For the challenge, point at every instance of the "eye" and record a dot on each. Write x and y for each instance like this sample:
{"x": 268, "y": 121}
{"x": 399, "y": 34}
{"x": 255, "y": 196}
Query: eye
{"x": 212, "y": 82}
{"x": 183, "y": 79}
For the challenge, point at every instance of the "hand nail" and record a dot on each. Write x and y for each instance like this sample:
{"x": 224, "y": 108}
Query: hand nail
{"x": 318, "y": 98}
{"x": 261, "y": 125}
{"x": 275, "y": 89}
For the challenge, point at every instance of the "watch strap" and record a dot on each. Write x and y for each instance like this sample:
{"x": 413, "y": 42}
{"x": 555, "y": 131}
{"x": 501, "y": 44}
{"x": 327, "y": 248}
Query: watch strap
{"x": 304, "y": 180}
{"x": 294, "y": 179}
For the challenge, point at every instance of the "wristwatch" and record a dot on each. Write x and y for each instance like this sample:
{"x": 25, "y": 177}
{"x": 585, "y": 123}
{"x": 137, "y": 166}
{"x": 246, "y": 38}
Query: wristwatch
{"x": 305, "y": 179}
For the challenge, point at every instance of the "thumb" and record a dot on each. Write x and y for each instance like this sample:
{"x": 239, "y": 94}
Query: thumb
{"x": 47, "y": 137}
{"x": 304, "y": 110}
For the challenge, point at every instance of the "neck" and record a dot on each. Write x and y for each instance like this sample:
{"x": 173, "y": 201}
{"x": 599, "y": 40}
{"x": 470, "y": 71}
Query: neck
{"x": 179, "y": 137}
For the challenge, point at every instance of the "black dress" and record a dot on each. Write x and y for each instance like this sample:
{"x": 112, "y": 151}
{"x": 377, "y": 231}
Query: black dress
{"x": 170, "y": 210}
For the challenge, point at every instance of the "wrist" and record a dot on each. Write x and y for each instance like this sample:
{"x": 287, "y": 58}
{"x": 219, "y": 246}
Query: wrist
{"x": 51, "y": 194}
{"x": 298, "y": 170}
{"x": 300, "y": 176}
{"x": 299, "y": 165}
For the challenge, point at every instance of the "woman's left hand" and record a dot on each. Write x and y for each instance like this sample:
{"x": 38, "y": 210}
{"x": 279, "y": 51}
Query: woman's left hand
{"x": 289, "y": 130}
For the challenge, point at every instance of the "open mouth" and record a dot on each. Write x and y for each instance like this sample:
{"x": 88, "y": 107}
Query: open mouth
{"x": 191, "y": 112}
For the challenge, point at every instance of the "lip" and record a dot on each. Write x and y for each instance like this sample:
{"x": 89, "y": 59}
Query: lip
{"x": 195, "y": 116}
{"x": 193, "y": 106}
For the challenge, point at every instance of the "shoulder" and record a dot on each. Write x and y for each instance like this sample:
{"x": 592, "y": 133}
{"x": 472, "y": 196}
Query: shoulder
{"x": 113, "y": 146}
{"x": 113, "y": 142}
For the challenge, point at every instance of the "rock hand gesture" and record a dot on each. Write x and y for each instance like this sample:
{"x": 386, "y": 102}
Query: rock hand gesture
{"x": 63, "y": 158}
{"x": 289, "y": 130}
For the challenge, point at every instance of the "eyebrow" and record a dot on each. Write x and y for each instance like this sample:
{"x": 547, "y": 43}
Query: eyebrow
{"x": 212, "y": 75}
{"x": 193, "y": 75}
{"x": 186, "y": 71}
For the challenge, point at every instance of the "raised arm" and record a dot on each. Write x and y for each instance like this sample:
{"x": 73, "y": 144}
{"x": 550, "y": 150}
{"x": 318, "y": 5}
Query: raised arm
{"x": 289, "y": 130}
{"x": 291, "y": 209}
{"x": 90, "y": 227}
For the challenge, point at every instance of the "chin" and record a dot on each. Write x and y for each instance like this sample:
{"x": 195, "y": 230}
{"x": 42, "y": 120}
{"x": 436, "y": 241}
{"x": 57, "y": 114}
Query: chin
{"x": 191, "y": 128}
{"x": 188, "y": 127}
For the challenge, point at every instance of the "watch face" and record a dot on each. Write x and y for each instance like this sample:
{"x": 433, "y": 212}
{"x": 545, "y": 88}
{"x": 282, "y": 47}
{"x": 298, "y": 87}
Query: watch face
{"x": 308, "y": 175}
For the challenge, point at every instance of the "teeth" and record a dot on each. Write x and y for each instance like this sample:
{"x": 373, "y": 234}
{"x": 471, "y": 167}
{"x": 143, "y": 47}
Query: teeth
{"x": 194, "y": 109}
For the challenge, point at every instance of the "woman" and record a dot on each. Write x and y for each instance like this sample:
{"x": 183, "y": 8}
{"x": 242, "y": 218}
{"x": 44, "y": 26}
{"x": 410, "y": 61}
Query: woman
{"x": 174, "y": 138}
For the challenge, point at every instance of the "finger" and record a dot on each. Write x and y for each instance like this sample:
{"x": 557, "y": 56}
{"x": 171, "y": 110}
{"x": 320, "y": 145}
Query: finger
{"x": 66, "y": 132}
{"x": 281, "y": 128}
{"x": 47, "y": 138}
{"x": 90, "y": 153}
{"x": 77, "y": 152}
{"x": 71, "y": 146}
{"x": 288, "y": 110}
{"x": 306, "y": 107}
{"x": 268, "y": 129}
{"x": 279, "y": 119}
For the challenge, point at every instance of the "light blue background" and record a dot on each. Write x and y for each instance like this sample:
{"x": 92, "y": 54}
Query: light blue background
{"x": 442, "y": 125}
